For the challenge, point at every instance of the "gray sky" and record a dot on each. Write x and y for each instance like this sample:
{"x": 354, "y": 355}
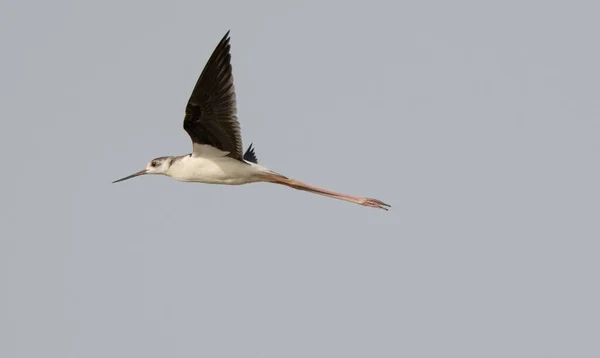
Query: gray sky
{"x": 478, "y": 123}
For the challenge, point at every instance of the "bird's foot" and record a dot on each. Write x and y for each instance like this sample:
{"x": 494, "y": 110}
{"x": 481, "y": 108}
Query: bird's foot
{"x": 374, "y": 203}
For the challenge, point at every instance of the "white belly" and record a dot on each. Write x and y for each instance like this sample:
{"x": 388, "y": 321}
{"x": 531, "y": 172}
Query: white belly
{"x": 219, "y": 170}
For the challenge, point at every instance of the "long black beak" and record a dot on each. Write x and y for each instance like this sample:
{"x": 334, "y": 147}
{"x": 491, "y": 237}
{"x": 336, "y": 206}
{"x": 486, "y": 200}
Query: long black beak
{"x": 141, "y": 172}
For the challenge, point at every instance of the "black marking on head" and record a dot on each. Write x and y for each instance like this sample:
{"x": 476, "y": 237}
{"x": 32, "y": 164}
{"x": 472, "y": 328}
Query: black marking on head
{"x": 158, "y": 161}
{"x": 250, "y": 156}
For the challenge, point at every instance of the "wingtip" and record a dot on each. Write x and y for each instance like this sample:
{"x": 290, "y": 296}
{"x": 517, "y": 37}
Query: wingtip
{"x": 225, "y": 40}
{"x": 250, "y": 155}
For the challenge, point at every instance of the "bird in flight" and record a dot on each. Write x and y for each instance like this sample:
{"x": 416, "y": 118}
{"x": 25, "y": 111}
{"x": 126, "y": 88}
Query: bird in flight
{"x": 217, "y": 154}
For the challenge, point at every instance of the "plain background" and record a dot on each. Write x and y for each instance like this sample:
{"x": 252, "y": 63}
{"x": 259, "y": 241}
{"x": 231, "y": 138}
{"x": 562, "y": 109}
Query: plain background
{"x": 477, "y": 121}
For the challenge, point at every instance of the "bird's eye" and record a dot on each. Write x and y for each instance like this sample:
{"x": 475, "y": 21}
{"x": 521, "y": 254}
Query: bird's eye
{"x": 153, "y": 164}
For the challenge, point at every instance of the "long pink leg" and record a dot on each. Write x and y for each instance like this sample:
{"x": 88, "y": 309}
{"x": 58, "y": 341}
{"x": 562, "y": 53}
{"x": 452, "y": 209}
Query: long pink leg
{"x": 278, "y": 179}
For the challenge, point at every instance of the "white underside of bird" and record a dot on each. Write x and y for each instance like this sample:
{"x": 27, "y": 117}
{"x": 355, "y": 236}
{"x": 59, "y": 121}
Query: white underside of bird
{"x": 210, "y": 165}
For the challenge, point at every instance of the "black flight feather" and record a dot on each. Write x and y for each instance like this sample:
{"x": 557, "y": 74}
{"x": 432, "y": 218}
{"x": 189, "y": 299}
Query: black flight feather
{"x": 250, "y": 156}
{"x": 210, "y": 115}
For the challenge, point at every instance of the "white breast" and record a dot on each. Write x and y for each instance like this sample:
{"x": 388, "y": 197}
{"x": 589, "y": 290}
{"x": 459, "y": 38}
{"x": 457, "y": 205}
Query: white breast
{"x": 215, "y": 170}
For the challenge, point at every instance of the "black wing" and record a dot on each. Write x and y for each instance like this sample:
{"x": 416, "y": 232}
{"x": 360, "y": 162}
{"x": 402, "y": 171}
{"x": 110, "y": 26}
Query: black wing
{"x": 210, "y": 115}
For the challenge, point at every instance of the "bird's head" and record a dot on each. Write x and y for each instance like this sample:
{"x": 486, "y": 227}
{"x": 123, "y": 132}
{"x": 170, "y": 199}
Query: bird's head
{"x": 155, "y": 166}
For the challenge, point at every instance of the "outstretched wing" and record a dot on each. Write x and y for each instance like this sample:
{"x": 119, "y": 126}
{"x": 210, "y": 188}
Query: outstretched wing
{"x": 210, "y": 115}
